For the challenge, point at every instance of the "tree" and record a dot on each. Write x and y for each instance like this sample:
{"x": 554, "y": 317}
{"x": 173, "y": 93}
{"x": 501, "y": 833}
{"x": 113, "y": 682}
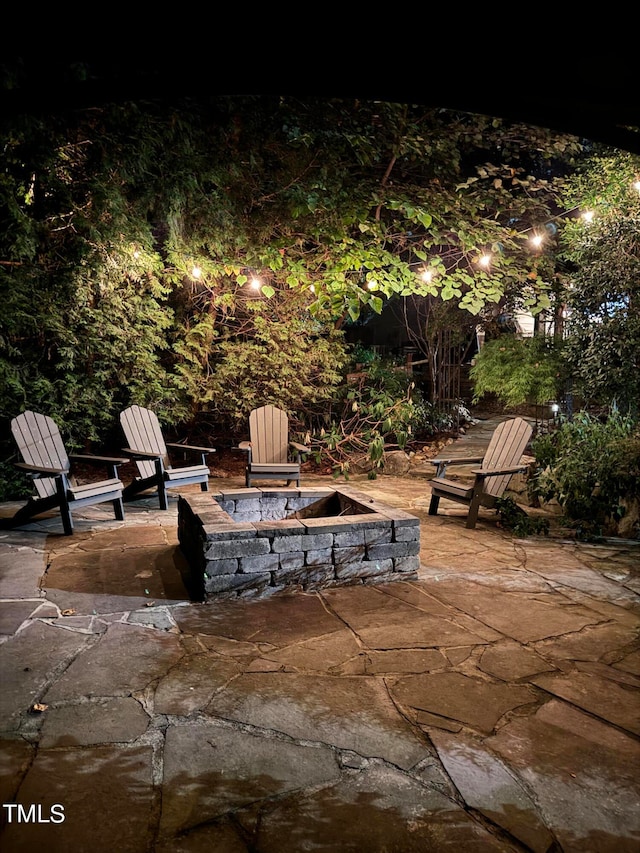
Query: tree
{"x": 85, "y": 312}
{"x": 602, "y": 296}
{"x": 386, "y": 199}
{"x": 130, "y": 230}
{"x": 270, "y": 350}
{"x": 518, "y": 370}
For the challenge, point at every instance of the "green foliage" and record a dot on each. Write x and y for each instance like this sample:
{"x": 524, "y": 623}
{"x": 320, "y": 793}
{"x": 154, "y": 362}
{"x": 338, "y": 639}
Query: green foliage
{"x": 591, "y": 466}
{"x": 515, "y": 519}
{"x": 106, "y": 212}
{"x": 430, "y": 419}
{"x": 86, "y": 314}
{"x": 272, "y": 351}
{"x": 517, "y": 370}
{"x": 375, "y": 410}
{"x": 603, "y": 297}
{"x": 14, "y": 484}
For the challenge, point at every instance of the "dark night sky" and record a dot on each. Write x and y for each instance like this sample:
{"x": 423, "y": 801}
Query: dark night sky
{"x": 603, "y": 108}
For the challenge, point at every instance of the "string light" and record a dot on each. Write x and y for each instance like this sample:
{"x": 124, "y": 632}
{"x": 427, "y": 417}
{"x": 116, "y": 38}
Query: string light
{"x": 536, "y": 240}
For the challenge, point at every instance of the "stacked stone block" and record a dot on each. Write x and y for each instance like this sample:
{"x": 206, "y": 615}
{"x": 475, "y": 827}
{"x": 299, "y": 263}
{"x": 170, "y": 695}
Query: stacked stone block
{"x": 258, "y": 541}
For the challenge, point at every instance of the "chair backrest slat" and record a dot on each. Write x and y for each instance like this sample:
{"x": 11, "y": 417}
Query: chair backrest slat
{"x": 269, "y": 433}
{"x": 142, "y": 432}
{"x": 505, "y": 450}
{"x": 40, "y": 444}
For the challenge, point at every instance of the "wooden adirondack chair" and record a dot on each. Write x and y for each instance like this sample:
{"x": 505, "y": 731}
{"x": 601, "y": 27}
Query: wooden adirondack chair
{"x": 499, "y": 464}
{"x": 269, "y": 450}
{"x": 147, "y": 446}
{"x": 46, "y": 461}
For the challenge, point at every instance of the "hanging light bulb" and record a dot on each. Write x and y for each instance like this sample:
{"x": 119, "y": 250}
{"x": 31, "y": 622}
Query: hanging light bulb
{"x": 255, "y": 283}
{"x": 587, "y": 215}
{"x": 426, "y": 275}
{"x": 196, "y": 272}
{"x": 485, "y": 261}
{"x": 536, "y": 240}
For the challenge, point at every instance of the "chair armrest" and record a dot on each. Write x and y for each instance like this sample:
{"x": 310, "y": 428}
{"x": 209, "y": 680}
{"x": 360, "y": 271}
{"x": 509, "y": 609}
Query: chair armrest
{"x": 37, "y": 469}
{"x": 244, "y": 445}
{"x": 193, "y": 448}
{"x": 300, "y": 447}
{"x": 109, "y": 460}
{"x": 442, "y": 463}
{"x": 141, "y": 454}
{"x": 456, "y": 460}
{"x": 493, "y": 472}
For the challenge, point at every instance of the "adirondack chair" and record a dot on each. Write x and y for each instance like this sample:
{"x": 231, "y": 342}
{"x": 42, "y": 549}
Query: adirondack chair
{"x": 499, "y": 464}
{"x": 271, "y": 455}
{"x": 46, "y": 461}
{"x": 147, "y": 447}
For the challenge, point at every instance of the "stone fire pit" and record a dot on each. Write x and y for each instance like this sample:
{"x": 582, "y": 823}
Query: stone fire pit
{"x": 258, "y": 541}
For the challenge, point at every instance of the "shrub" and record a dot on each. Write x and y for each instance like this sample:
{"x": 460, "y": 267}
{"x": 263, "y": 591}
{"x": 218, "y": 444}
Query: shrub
{"x": 591, "y": 466}
{"x": 514, "y": 518}
{"x": 376, "y": 409}
{"x": 517, "y": 370}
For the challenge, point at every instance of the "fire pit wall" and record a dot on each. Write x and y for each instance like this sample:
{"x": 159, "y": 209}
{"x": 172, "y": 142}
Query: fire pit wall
{"x": 257, "y": 541}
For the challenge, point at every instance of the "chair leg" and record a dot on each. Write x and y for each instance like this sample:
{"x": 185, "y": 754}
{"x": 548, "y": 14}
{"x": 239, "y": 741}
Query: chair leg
{"x": 67, "y": 521}
{"x": 65, "y": 512}
{"x": 32, "y": 508}
{"x": 472, "y": 517}
{"x": 433, "y": 506}
{"x": 162, "y": 495}
{"x": 204, "y": 487}
{"x": 476, "y": 499}
{"x": 118, "y": 509}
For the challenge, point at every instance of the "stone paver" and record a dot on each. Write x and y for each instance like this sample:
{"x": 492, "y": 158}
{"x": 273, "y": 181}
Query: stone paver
{"x": 211, "y": 770}
{"x": 473, "y": 702}
{"x": 106, "y": 795}
{"x": 491, "y": 704}
{"x": 378, "y": 809}
{"x": 486, "y": 784}
{"x": 583, "y": 775}
{"x": 349, "y": 712}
